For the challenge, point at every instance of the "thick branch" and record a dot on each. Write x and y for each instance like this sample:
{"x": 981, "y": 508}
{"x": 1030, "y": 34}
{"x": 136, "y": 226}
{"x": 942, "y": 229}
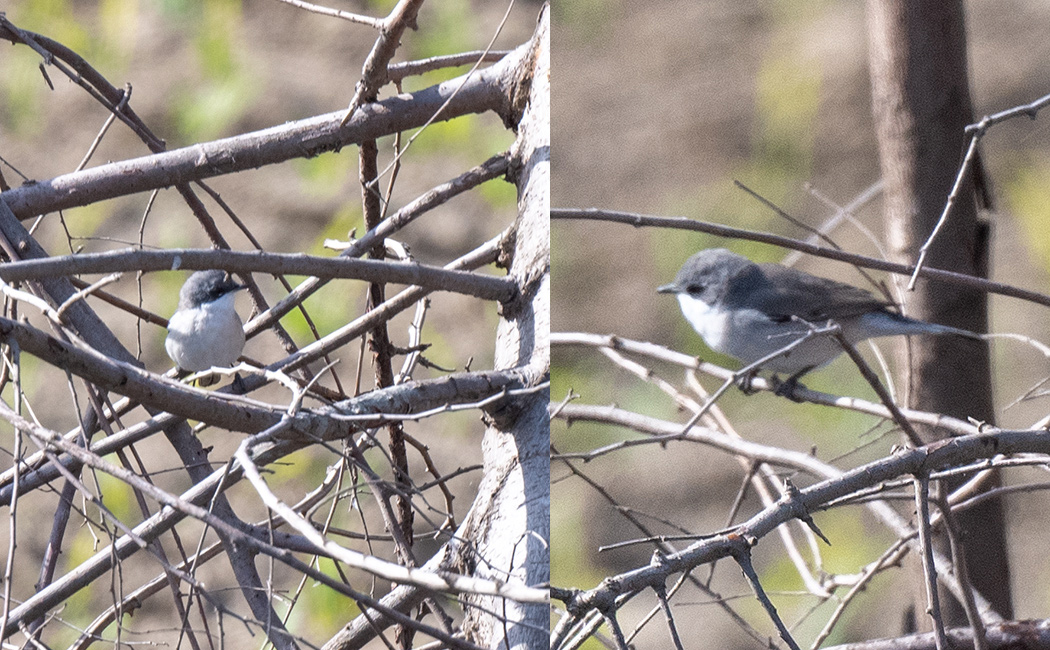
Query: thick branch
{"x": 434, "y": 278}
{"x": 244, "y": 415}
{"x": 484, "y": 90}
{"x": 941, "y": 455}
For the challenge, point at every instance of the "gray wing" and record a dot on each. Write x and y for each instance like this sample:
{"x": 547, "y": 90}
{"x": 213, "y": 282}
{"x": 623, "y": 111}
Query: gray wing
{"x": 812, "y": 298}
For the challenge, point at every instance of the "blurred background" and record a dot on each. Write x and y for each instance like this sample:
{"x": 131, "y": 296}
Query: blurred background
{"x": 658, "y": 108}
{"x": 206, "y": 70}
{"x": 201, "y": 71}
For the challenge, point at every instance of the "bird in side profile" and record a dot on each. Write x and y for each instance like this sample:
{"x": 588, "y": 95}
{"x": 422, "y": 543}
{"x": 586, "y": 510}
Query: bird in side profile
{"x": 206, "y": 332}
{"x": 749, "y": 311}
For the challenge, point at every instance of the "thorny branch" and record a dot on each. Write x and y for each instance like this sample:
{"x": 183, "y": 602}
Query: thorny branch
{"x": 90, "y": 352}
{"x": 983, "y": 441}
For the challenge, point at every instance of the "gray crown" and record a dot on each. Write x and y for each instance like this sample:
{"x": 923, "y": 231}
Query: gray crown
{"x": 206, "y": 286}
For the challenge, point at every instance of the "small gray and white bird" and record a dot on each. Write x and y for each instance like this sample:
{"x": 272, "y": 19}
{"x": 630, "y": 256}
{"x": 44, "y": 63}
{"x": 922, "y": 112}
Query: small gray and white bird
{"x": 749, "y": 311}
{"x": 206, "y": 332}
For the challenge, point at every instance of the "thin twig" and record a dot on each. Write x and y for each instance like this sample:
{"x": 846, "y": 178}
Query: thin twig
{"x": 964, "y": 169}
{"x": 888, "y": 557}
{"x": 398, "y": 71}
{"x": 842, "y": 212}
{"x": 377, "y": 23}
{"x": 742, "y": 555}
{"x": 746, "y": 373}
{"x": 1031, "y": 110}
{"x": 929, "y": 569}
{"x": 880, "y": 390}
{"x": 962, "y": 572}
{"x": 405, "y": 575}
{"x": 684, "y": 223}
{"x": 490, "y": 169}
{"x": 661, "y": 595}
{"x": 105, "y": 128}
{"x": 85, "y": 292}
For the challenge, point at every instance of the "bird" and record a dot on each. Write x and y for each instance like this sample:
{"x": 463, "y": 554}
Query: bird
{"x": 749, "y": 311}
{"x": 205, "y": 331}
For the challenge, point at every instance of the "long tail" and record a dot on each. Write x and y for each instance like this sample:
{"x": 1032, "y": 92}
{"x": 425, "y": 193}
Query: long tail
{"x": 923, "y": 327}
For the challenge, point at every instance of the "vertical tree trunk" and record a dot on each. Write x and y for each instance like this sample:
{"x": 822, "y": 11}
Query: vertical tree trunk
{"x": 510, "y": 532}
{"x": 921, "y": 103}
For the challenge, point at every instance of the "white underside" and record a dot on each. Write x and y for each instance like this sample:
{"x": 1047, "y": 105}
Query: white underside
{"x": 749, "y": 335}
{"x": 210, "y": 336}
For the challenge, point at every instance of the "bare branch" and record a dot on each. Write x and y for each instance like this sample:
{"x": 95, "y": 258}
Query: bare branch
{"x": 482, "y": 91}
{"x": 336, "y": 13}
{"x": 373, "y": 75}
{"x": 430, "y": 277}
{"x": 441, "y": 582}
{"x": 398, "y": 71}
{"x": 685, "y": 223}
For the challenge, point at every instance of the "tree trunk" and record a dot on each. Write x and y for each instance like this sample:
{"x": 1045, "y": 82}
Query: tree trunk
{"x": 510, "y": 532}
{"x": 921, "y": 104}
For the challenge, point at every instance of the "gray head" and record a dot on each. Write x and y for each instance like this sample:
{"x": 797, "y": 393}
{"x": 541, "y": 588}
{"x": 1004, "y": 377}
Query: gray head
{"x": 708, "y": 275}
{"x": 206, "y": 286}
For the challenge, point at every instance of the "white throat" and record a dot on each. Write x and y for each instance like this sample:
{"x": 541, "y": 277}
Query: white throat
{"x": 206, "y": 336}
{"x": 223, "y": 304}
{"x": 710, "y": 322}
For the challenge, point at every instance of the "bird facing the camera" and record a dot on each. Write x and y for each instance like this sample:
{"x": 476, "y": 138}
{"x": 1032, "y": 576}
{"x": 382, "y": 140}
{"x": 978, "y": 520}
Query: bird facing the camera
{"x": 206, "y": 332}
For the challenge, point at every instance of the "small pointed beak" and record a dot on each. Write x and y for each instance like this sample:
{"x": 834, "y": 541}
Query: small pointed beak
{"x": 234, "y": 284}
{"x": 668, "y": 288}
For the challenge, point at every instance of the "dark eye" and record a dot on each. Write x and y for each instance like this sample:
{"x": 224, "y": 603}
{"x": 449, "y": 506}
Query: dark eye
{"x": 694, "y": 289}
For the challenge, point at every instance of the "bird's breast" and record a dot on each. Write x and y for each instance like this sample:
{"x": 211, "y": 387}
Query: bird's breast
{"x": 209, "y": 336}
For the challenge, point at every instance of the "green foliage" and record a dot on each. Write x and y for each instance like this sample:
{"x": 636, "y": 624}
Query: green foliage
{"x": 206, "y": 111}
{"x": 22, "y": 89}
{"x": 324, "y": 176}
{"x": 89, "y": 219}
{"x": 78, "y": 551}
{"x": 22, "y": 84}
{"x": 217, "y": 39}
{"x": 105, "y": 42}
{"x": 346, "y": 219}
{"x": 1027, "y": 193}
{"x": 589, "y": 19}
{"x": 224, "y": 91}
{"x": 54, "y": 19}
{"x": 320, "y": 608}
{"x": 450, "y": 27}
{"x": 571, "y": 556}
{"x": 304, "y": 467}
{"x": 178, "y": 10}
{"x": 470, "y": 136}
{"x": 332, "y": 307}
{"x": 117, "y": 497}
{"x": 499, "y": 194}
{"x": 379, "y": 7}
{"x": 787, "y": 99}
